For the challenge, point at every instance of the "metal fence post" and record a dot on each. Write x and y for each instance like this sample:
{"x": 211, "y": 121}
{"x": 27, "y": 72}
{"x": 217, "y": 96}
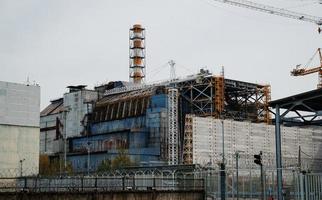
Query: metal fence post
{"x": 25, "y": 184}
{"x": 251, "y": 183}
{"x": 153, "y": 182}
{"x": 123, "y": 183}
{"x": 82, "y": 183}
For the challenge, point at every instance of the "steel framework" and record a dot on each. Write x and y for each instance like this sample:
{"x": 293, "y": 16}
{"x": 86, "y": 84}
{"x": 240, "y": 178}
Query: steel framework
{"x": 173, "y": 139}
{"x": 308, "y": 111}
{"x": 225, "y": 98}
{"x": 188, "y": 141}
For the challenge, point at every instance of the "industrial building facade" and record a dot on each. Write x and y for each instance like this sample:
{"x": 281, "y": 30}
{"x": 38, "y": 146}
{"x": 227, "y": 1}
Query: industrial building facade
{"x": 148, "y": 121}
{"x": 170, "y": 123}
{"x": 19, "y": 129}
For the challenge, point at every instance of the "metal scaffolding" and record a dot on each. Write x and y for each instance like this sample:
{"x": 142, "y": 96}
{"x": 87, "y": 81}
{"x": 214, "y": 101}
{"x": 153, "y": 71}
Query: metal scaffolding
{"x": 173, "y": 139}
{"x": 188, "y": 141}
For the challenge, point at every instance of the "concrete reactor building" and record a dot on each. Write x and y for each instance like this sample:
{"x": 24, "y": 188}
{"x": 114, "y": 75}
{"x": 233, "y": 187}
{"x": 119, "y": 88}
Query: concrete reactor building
{"x": 19, "y": 129}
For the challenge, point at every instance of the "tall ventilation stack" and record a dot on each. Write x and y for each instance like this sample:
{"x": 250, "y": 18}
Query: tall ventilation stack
{"x": 137, "y": 54}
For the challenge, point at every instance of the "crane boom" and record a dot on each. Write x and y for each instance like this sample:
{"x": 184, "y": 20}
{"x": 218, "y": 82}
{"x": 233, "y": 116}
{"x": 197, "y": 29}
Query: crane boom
{"x": 302, "y": 72}
{"x": 305, "y": 71}
{"x": 273, "y": 10}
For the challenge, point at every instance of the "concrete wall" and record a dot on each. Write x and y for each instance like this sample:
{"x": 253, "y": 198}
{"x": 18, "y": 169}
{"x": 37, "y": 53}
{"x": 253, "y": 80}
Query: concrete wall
{"x": 19, "y": 143}
{"x": 124, "y": 195}
{"x": 19, "y": 104}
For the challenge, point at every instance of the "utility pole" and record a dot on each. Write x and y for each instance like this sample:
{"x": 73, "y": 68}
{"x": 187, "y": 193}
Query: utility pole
{"x": 66, "y": 110}
{"x": 88, "y": 157}
{"x": 237, "y": 175}
{"x": 222, "y": 165}
{"x": 299, "y": 160}
{"x": 258, "y": 161}
{"x": 65, "y": 145}
{"x": 21, "y": 161}
{"x": 237, "y": 156}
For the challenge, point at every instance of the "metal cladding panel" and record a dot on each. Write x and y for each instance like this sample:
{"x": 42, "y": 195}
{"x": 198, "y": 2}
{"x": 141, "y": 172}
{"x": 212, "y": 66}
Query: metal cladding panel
{"x": 251, "y": 138}
{"x": 104, "y": 142}
{"x": 50, "y": 120}
{"x": 317, "y": 143}
{"x": 159, "y": 101}
{"x": 76, "y": 108}
{"x": 79, "y": 162}
{"x": 48, "y": 142}
{"x": 19, "y": 104}
{"x": 118, "y": 125}
{"x": 203, "y": 137}
{"x": 19, "y": 143}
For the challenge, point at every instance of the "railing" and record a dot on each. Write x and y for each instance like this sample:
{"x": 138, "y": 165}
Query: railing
{"x": 308, "y": 186}
{"x": 75, "y": 184}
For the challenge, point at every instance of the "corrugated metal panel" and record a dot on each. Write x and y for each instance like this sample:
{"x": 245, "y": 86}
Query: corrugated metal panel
{"x": 251, "y": 138}
{"x": 18, "y": 143}
{"x": 54, "y": 108}
{"x": 19, "y": 104}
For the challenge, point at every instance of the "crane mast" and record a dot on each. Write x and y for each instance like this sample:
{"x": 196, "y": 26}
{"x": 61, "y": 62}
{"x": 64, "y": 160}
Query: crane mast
{"x": 274, "y": 11}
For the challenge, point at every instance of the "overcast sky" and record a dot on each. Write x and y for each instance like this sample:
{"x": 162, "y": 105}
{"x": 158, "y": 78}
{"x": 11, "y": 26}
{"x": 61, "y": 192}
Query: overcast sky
{"x": 66, "y": 42}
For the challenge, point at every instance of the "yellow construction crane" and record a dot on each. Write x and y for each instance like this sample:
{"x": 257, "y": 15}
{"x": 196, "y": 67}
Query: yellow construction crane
{"x": 298, "y": 71}
{"x": 275, "y": 11}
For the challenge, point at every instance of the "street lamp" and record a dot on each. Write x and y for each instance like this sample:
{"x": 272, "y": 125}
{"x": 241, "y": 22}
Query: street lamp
{"x": 88, "y": 157}
{"x": 66, "y": 110}
{"x": 21, "y": 161}
{"x": 237, "y": 157}
{"x": 222, "y": 165}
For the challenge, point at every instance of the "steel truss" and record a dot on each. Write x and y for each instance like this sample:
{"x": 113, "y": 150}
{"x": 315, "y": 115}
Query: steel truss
{"x": 173, "y": 138}
{"x": 308, "y": 111}
{"x": 225, "y": 98}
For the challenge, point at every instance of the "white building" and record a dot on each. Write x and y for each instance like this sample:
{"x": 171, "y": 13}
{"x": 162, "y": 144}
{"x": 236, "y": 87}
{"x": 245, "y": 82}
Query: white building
{"x": 19, "y": 129}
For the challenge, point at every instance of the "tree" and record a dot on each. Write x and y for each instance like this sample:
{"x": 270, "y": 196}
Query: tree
{"x": 44, "y": 165}
{"x": 53, "y": 166}
{"x": 105, "y": 165}
{"x": 121, "y": 160}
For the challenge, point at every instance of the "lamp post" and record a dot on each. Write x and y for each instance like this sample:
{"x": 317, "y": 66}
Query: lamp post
{"x": 66, "y": 110}
{"x": 237, "y": 157}
{"x": 21, "y": 161}
{"x": 88, "y": 157}
{"x": 222, "y": 165}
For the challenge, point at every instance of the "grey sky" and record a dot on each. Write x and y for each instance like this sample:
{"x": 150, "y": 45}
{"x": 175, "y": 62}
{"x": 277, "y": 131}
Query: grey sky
{"x": 63, "y": 42}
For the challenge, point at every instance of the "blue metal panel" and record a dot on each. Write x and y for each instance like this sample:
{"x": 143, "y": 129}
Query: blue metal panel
{"x": 104, "y": 142}
{"x": 159, "y": 101}
{"x": 79, "y": 162}
{"x": 118, "y": 125}
{"x": 140, "y": 135}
